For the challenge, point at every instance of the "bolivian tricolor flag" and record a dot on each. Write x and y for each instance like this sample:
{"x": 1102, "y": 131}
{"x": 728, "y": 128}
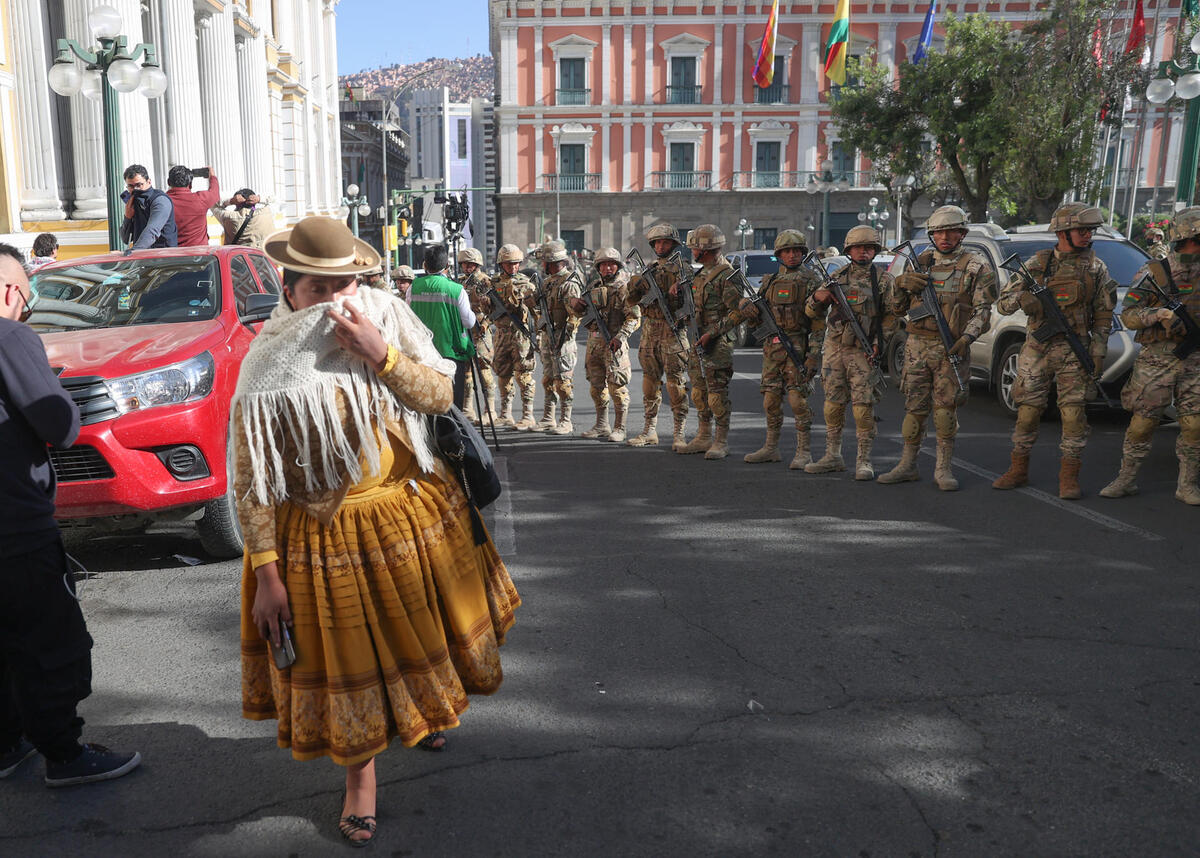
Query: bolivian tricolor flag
{"x": 764, "y": 66}
{"x": 835, "y": 47}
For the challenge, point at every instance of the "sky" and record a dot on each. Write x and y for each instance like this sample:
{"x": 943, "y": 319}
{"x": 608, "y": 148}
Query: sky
{"x": 373, "y": 33}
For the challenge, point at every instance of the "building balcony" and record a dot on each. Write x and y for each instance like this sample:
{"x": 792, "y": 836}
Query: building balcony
{"x": 799, "y": 180}
{"x": 572, "y": 96}
{"x": 683, "y": 94}
{"x": 571, "y": 183}
{"x": 679, "y": 180}
{"x": 776, "y": 93}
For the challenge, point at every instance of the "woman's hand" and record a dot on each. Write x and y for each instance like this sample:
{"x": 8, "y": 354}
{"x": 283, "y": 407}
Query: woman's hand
{"x": 358, "y": 335}
{"x": 270, "y": 603}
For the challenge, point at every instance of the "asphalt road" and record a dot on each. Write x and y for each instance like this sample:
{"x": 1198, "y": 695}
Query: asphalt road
{"x": 715, "y": 659}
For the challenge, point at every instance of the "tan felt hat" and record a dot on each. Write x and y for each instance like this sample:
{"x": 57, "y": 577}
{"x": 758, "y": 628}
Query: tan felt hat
{"x": 323, "y": 246}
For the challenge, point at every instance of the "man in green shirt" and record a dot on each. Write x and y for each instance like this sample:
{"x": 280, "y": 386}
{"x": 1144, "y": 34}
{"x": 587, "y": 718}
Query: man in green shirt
{"x": 445, "y": 309}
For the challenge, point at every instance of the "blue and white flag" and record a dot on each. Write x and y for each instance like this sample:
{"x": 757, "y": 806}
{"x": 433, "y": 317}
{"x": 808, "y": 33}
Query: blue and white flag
{"x": 926, "y": 33}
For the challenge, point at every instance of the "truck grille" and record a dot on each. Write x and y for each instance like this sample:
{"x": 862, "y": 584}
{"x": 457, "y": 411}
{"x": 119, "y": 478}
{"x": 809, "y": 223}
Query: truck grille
{"x": 90, "y": 394}
{"x": 79, "y": 463}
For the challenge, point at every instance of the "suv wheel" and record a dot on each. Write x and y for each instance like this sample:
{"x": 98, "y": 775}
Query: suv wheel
{"x": 895, "y": 355}
{"x": 219, "y": 528}
{"x": 1006, "y": 377}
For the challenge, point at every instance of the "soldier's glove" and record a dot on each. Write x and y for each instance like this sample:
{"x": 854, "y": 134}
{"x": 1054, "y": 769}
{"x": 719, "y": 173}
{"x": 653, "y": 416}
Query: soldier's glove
{"x": 812, "y": 366}
{"x": 1097, "y": 349}
{"x": 578, "y": 305}
{"x": 962, "y": 347}
{"x": 746, "y": 308}
{"x": 1031, "y": 305}
{"x": 708, "y": 342}
{"x": 912, "y": 282}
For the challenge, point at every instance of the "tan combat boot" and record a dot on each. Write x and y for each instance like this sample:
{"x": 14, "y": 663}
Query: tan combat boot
{"x": 618, "y": 430}
{"x": 906, "y": 469}
{"x": 943, "y": 477}
{"x": 768, "y": 452}
{"x": 1017, "y": 474}
{"x": 678, "y": 438}
{"x": 701, "y": 442}
{"x": 648, "y": 436}
{"x": 1185, "y": 489}
{"x": 526, "y": 424}
{"x": 1125, "y": 483}
{"x": 1068, "y": 478}
{"x": 600, "y": 429}
{"x": 504, "y": 420}
{"x": 564, "y": 426}
{"x": 862, "y": 463}
{"x": 832, "y": 460}
{"x": 547, "y": 421}
{"x": 719, "y": 448}
{"x": 803, "y": 451}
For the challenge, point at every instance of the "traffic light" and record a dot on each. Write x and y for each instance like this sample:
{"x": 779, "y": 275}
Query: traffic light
{"x": 403, "y": 224}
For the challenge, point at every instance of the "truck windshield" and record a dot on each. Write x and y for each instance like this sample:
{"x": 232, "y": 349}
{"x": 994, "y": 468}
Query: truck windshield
{"x": 758, "y": 264}
{"x": 128, "y": 291}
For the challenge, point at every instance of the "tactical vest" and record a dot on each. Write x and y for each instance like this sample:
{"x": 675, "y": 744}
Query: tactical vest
{"x": 477, "y": 286}
{"x": 1076, "y": 300}
{"x": 513, "y": 290}
{"x": 709, "y": 305}
{"x": 954, "y": 282}
{"x": 610, "y": 300}
{"x": 1182, "y": 283}
{"x": 862, "y": 294}
{"x": 666, "y": 276}
{"x": 786, "y": 291}
{"x": 556, "y": 296}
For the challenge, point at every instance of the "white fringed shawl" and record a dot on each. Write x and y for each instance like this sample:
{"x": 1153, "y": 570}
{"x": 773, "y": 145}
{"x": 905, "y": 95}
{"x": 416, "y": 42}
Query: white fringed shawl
{"x": 288, "y": 387}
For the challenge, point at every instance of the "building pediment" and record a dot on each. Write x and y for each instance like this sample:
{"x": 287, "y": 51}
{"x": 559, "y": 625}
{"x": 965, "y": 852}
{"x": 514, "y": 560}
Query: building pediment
{"x": 685, "y": 44}
{"x": 572, "y": 47}
{"x": 572, "y": 132}
{"x": 683, "y": 131}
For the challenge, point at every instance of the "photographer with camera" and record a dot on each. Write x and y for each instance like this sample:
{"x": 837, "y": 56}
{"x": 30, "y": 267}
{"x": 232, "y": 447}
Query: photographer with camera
{"x": 191, "y": 207}
{"x": 246, "y": 219}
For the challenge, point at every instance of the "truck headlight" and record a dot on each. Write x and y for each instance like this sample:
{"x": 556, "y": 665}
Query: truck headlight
{"x": 186, "y": 381}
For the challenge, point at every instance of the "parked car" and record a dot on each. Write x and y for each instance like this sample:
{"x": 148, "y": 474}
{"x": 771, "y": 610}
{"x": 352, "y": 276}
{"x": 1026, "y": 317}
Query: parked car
{"x": 994, "y": 355}
{"x": 149, "y": 346}
{"x": 754, "y": 264}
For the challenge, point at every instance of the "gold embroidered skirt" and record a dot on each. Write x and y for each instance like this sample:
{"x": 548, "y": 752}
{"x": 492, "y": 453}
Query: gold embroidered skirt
{"x": 397, "y": 615}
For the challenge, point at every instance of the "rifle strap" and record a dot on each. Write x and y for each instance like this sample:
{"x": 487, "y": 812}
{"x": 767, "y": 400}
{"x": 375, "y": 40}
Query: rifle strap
{"x": 877, "y": 298}
{"x": 1167, "y": 280}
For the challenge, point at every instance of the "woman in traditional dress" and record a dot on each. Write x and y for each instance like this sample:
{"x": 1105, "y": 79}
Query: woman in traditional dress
{"x": 359, "y": 544}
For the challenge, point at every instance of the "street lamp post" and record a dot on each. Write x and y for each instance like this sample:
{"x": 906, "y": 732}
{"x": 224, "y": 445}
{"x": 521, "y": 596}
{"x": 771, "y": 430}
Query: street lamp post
{"x": 825, "y": 183}
{"x": 744, "y": 229}
{"x": 110, "y": 68}
{"x": 353, "y": 206}
{"x": 1183, "y": 81}
{"x": 878, "y": 218}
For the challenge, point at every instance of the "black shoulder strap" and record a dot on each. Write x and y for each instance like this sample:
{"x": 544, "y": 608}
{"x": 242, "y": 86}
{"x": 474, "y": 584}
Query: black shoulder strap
{"x": 1165, "y": 264}
{"x": 877, "y": 297}
{"x": 241, "y": 229}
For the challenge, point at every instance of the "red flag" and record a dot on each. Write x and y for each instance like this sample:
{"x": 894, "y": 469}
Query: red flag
{"x": 1137, "y": 32}
{"x": 1097, "y": 46}
{"x": 764, "y": 65}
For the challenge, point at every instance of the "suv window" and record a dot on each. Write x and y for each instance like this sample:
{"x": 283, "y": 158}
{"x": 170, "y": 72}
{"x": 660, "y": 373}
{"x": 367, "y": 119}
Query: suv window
{"x": 244, "y": 283}
{"x": 1123, "y": 259}
{"x": 758, "y": 264}
{"x": 268, "y": 276}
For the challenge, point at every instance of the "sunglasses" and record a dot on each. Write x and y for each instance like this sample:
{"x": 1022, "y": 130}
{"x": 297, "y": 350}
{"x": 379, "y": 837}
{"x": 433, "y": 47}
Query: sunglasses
{"x": 27, "y": 310}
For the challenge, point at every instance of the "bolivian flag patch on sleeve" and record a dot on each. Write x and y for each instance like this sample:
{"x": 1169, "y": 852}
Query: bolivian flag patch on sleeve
{"x": 1185, "y": 288}
{"x": 783, "y": 293}
{"x": 1062, "y": 296}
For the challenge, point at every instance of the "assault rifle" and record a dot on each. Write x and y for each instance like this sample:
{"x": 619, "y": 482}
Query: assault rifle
{"x": 544, "y": 322}
{"x": 768, "y": 327}
{"x": 501, "y": 310}
{"x": 592, "y": 314}
{"x": 931, "y": 306}
{"x": 1055, "y": 322}
{"x": 654, "y": 293}
{"x": 844, "y": 309}
{"x": 688, "y": 310}
{"x": 1191, "y": 336}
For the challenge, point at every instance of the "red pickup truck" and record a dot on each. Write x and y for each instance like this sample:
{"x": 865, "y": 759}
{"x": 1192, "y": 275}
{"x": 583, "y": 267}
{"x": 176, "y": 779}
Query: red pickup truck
{"x": 149, "y": 346}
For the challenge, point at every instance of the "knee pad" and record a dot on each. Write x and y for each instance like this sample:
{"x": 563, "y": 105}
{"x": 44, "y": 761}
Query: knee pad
{"x": 1141, "y": 428}
{"x": 619, "y": 395}
{"x": 1074, "y": 424}
{"x": 835, "y": 415}
{"x": 1189, "y": 429}
{"x": 945, "y": 422}
{"x": 676, "y": 395}
{"x": 912, "y": 430}
{"x": 1028, "y": 418}
{"x": 798, "y": 402}
{"x": 864, "y": 416}
{"x": 716, "y": 404}
{"x": 699, "y": 399}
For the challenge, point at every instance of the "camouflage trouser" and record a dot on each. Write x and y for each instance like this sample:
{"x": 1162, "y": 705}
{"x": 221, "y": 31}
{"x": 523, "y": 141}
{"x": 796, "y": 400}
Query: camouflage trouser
{"x": 929, "y": 384}
{"x": 710, "y": 382}
{"x": 779, "y": 373}
{"x": 1158, "y": 378}
{"x": 558, "y": 368}
{"x": 511, "y": 355}
{"x": 605, "y": 368}
{"x": 1038, "y": 366}
{"x": 660, "y": 353}
{"x": 846, "y": 374}
{"x": 484, "y": 352}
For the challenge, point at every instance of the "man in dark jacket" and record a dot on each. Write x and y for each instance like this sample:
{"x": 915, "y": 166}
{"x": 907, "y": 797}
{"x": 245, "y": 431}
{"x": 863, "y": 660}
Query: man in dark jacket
{"x": 191, "y": 207}
{"x": 45, "y": 649}
{"x": 149, "y": 215}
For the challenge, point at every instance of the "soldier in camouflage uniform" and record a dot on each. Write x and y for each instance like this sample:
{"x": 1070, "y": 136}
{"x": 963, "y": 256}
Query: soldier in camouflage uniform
{"x": 562, "y": 284}
{"x": 1086, "y": 294}
{"x": 1158, "y": 374}
{"x": 662, "y": 351}
{"x": 402, "y": 279}
{"x": 966, "y": 289}
{"x": 710, "y": 361}
{"x": 847, "y": 374}
{"x": 512, "y": 356}
{"x": 607, "y": 365}
{"x": 1155, "y": 245}
{"x": 786, "y": 291}
{"x": 476, "y": 284}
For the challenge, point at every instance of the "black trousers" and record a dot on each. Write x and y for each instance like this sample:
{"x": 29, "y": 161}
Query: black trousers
{"x": 45, "y": 653}
{"x": 461, "y": 368}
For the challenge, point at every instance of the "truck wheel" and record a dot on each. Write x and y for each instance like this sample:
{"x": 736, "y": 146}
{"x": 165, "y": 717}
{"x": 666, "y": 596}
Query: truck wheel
{"x": 895, "y": 355}
{"x": 1006, "y": 377}
{"x": 219, "y": 528}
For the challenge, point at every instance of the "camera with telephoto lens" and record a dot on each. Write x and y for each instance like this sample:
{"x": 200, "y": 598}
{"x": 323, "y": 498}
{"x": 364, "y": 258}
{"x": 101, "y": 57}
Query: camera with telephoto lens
{"x": 455, "y": 212}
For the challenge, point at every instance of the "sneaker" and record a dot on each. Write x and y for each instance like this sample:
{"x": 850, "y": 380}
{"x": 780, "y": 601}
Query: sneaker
{"x": 11, "y": 761}
{"x": 96, "y": 763}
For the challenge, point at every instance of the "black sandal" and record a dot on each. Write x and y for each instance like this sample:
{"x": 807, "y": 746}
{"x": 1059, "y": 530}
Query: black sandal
{"x": 351, "y": 825}
{"x": 430, "y": 742}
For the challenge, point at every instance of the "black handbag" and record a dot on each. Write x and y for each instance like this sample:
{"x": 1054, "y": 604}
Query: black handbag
{"x": 464, "y": 449}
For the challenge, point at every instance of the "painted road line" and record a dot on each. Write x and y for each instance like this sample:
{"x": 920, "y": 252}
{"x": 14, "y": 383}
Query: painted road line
{"x": 746, "y": 376}
{"x": 504, "y": 535}
{"x": 1067, "y": 506}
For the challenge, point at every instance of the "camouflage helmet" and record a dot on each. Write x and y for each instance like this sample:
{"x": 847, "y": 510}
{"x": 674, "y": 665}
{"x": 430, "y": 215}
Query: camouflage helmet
{"x": 790, "y": 238}
{"x": 707, "y": 236}
{"x": 404, "y": 272}
{"x": 1075, "y": 215}
{"x": 510, "y": 253}
{"x": 1154, "y": 235}
{"x": 946, "y": 217}
{"x": 554, "y": 251}
{"x": 662, "y": 230}
{"x": 863, "y": 236}
{"x": 609, "y": 254}
{"x": 470, "y": 254}
{"x": 1185, "y": 224}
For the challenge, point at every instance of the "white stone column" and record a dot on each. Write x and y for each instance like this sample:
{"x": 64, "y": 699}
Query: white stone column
{"x": 219, "y": 97}
{"x": 627, "y": 154}
{"x": 717, "y": 122}
{"x": 87, "y": 132}
{"x": 605, "y": 148}
{"x": 539, "y": 73}
{"x": 648, "y": 65}
{"x": 887, "y": 49}
{"x": 606, "y": 66}
{"x": 718, "y": 59}
{"x": 737, "y": 144}
{"x": 255, "y": 115}
{"x": 539, "y": 156}
{"x": 807, "y": 143}
{"x": 627, "y": 67}
{"x": 177, "y": 53}
{"x": 285, "y": 26}
{"x": 740, "y": 65}
{"x": 810, "y": 71}
{"x": 35, "y": 134}
{"x": 648, "y": 166}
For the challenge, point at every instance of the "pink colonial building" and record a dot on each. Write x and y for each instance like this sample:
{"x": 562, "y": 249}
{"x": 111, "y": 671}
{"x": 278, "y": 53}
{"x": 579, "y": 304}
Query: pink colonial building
{"x": 613, "y": 115}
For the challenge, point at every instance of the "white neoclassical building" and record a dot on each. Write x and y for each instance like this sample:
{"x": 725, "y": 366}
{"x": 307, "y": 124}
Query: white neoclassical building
{"x": 252, "y": 91}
